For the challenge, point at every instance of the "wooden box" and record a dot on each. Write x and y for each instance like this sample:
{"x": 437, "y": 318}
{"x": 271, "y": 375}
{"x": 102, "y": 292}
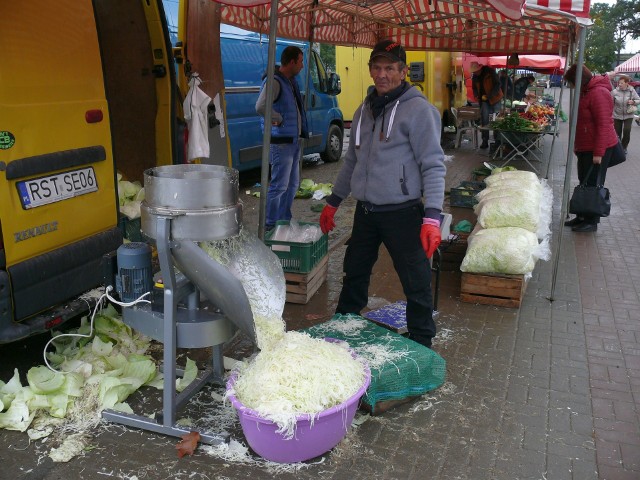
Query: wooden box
{"x": 452, "y": 252}
{"x": 302, "y": 286}
{"x": 493, "y": 289}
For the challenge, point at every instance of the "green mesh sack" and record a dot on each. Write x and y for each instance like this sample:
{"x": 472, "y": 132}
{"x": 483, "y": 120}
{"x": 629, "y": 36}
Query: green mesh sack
{"x": 400, "y": 367}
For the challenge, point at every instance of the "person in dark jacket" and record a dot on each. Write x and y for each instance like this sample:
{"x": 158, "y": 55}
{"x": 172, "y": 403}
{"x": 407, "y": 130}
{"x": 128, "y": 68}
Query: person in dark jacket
{"x": 521, "y": 86}
{"x": 288, "y": 125}
{"x": 394, "y": 161}
{"x": 596, "y": 138}
{"x": 486, "y": 88}
{"x": 506, "y": 84}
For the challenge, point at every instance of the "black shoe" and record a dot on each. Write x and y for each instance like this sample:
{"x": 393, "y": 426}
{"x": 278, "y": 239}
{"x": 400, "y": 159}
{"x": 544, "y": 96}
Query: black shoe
{"x": 425, "y": 341}
{"x": 484, "y": 145}
{"x": 585, "y": 227}
{"x": 625, "y": 151}
{"x": 573, "y": 222}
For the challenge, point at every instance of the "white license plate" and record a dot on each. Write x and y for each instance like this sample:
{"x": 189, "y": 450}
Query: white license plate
{"x": 55, "y": 188}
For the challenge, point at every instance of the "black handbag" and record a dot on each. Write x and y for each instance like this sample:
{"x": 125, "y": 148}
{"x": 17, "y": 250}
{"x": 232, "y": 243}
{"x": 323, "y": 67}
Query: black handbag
{"x": 618, "y": 156}
{"x": 590, "y": 201}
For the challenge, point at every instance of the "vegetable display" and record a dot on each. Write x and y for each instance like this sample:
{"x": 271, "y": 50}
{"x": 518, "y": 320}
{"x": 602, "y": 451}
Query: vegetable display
{"x": 535, "y": 119}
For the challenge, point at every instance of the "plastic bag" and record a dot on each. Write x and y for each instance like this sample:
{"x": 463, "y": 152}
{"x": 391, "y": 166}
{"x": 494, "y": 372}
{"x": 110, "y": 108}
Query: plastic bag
{"x": 514, "y": 175}
{"x": 297, "y": 233}
{"x": 509, "y": 250}
{"x": 195, "y": 113}
{"x": 516, "y": 203}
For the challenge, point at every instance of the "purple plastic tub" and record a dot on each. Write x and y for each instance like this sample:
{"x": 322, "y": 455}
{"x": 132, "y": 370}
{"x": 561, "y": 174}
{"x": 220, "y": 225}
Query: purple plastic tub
{"x": 329, "y": 428}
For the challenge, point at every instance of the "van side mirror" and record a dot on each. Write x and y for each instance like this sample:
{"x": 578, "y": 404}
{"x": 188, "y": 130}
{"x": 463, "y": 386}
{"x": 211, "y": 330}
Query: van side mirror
{"x": 333, "y": 84}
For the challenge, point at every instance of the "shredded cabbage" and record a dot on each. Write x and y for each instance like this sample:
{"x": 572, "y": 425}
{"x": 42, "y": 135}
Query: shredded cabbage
{"x": 517, "y": 175}
{"x": 298, "y": 375}
{"x": 509, "y": 250}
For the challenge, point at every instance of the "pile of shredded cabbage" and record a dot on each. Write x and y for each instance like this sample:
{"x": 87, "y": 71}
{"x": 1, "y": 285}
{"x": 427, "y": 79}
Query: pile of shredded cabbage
{"x": 298, "y": 375}
{"x": 514, "y": 220}
{"x": 510, "y": 250}
{"x": 262, "y": 279}
{"x": 516, "y": 199}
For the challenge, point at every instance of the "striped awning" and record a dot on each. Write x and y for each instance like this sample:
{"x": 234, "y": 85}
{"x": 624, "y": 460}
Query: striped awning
{"x": 472, "y": 26}
{"x": 630, "y": 66}
{"x": 579, "y": 8}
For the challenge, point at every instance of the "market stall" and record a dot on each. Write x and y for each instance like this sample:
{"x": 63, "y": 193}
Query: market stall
{"x": 630, "y": 66}
{"x": 464, "y": 26}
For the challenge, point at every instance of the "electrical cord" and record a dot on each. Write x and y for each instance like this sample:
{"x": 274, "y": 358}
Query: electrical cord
{"x": 106, "y": 295}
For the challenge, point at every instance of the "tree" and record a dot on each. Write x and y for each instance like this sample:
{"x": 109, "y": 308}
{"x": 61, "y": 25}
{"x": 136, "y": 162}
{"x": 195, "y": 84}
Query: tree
{"x": 600, "y": 48}
{"x": 613, "y": 26}
{"x": 328, "y": 56}
{"x": 632, "y": 19}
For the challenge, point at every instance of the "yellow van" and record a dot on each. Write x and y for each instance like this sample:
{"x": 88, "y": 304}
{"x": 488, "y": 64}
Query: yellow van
{"x": 86, "y": 91}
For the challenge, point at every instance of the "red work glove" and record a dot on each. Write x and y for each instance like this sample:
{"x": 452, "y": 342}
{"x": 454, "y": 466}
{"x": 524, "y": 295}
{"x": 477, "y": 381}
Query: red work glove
{"x": 430, "y": 235}
{"x": 327, "y": 223}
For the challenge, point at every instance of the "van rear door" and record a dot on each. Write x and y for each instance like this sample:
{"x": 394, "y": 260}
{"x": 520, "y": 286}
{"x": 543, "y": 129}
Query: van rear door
{"x": 58, "y": 181}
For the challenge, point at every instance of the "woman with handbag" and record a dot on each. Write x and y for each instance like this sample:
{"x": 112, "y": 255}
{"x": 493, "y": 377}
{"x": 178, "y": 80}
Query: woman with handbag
{"x": 625, "y": 104}
{"x": 595, "y": 139}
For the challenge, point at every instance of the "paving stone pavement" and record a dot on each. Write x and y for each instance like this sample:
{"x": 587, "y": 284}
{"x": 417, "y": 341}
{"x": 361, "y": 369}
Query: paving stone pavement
{"x": 549, "y": 391}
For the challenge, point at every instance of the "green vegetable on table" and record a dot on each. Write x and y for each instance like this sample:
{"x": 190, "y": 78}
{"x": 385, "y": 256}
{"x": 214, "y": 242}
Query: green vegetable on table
{"x": 515, "y": 123}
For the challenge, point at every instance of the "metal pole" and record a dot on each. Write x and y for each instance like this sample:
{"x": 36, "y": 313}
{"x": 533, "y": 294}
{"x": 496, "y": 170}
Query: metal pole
{"x": 266, "y": 137}
{"x": 573, "y": 120}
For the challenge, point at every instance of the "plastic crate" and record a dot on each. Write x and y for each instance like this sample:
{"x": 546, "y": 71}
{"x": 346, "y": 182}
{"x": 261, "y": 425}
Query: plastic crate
{"x": 298, "y": 257}
{"x": 131, "y": 229}
{"x": 464, "y": 195}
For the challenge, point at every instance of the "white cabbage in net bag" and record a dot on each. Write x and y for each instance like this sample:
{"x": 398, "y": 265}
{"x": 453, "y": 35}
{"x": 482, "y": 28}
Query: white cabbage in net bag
{"x": 509, "y": 250}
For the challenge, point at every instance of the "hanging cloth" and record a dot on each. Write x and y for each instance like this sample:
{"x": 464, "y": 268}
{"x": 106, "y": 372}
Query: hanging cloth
{"x": 195, "y": 114}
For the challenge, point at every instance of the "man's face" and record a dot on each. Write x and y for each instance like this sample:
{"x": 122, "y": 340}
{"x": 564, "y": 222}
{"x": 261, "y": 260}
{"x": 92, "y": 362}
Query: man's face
{"x": 298, "y": 64}
{"x": 386, "y": 74}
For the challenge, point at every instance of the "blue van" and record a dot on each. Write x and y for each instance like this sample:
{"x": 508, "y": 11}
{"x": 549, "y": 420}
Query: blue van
{"x": 244, "y": 64}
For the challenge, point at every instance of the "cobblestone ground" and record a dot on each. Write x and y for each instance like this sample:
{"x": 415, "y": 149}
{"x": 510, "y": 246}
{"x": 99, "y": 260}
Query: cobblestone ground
{"x": 549, "y": 391}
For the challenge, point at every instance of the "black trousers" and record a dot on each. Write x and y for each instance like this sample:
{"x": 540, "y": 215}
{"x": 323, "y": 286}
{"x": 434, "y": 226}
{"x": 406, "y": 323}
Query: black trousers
{"x": 399, "y": 231}
{"x": 585, "y": 161}
{"x": 623, "y": 130}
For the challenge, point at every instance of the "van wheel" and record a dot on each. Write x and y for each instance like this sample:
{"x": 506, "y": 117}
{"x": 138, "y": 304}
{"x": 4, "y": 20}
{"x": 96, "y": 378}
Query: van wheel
{"x": 333, "y": 150}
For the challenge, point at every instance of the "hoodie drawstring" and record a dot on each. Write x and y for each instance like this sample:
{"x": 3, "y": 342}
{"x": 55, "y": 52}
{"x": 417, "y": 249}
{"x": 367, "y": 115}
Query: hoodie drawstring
{"x": 393, "y": 115}
{"x": 382, "y": 135}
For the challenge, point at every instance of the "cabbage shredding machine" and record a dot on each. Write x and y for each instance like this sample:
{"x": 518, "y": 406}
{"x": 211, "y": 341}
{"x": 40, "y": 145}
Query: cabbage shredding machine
{"x": 199, "y": 303}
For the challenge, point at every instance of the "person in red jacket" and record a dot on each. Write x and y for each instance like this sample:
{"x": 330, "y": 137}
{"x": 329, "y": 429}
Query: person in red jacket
{"x": 595, "y": 136}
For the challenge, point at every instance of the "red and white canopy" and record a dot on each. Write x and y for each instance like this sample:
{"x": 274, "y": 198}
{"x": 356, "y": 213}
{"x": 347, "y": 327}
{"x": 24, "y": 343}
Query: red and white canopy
{"x": 473, "y": 26}
{"x": 537, "y": 63}
{"x": 579, "y": 8}
{"x": 630, "y": 66}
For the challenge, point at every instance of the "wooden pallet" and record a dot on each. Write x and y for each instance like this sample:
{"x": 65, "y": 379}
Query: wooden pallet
{"x": 493, "y": 289}
{"x": 302, "y": 286}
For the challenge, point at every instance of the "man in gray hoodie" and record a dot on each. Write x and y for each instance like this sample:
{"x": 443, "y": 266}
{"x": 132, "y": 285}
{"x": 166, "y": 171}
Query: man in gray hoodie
{"x": 394, "y": 168}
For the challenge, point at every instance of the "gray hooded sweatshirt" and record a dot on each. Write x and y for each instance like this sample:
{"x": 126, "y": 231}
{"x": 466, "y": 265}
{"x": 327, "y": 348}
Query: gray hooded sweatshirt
{"x": 396, "y": 157}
